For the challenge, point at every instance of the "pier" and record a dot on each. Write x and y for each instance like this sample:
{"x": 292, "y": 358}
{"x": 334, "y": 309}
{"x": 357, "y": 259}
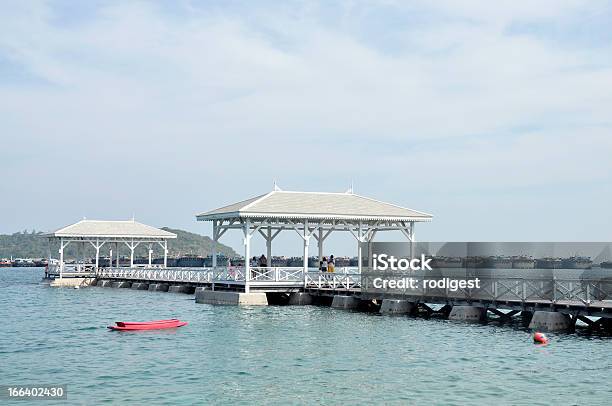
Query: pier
{"x": 546, "y": 303}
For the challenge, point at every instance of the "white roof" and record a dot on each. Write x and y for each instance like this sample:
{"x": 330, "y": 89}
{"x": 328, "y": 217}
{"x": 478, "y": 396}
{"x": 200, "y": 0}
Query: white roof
{"x": 111, "y": 229}
{"x": 315, "y": 205}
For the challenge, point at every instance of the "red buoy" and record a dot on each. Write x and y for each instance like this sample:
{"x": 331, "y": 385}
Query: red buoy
{"x": 540, "y": 338}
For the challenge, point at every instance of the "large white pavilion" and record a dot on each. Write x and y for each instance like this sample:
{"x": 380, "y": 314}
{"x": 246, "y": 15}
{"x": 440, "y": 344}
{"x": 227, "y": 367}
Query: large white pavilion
{"x": 312, "y": 215}
{"x": 99, "y": 233}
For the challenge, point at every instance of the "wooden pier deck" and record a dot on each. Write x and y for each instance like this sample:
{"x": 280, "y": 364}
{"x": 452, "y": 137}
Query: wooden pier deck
{"x": 571, "y": 296}
{"x": 575, "y": 299}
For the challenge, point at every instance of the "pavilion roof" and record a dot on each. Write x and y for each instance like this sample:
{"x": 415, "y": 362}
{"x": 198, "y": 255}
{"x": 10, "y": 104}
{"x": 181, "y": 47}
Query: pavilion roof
{"x": 110, "y": 229}
{"x": 316, "y": 206}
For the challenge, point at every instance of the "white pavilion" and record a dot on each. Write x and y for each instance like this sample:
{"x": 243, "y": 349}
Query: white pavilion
{"x": 314, "y": 216}
{"x": 101, "y": 233}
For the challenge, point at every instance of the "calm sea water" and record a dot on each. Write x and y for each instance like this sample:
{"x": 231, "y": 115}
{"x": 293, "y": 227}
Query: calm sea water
{"x": 279, "y": 355}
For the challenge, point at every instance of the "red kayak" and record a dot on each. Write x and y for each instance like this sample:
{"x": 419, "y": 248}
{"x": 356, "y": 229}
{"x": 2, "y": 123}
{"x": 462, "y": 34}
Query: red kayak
{"x": 151, "y": 325}
{"x": 139, "y": 323}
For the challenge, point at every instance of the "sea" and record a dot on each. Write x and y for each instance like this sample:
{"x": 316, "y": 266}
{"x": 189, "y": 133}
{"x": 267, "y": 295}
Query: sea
{"x": 279, "y": 355}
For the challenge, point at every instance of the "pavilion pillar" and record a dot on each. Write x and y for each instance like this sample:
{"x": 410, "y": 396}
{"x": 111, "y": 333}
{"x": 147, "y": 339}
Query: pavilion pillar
{"x": 359, "y": 240}
{"x": 370, "y": 239}
{"x": 412, "y": 240}
{"x": 97, "y": 254}
{"x": 214, "y": 244}
{"x": 320, "y": 244}
{"x": 110, "y": 256}
{"x": 49, "y": 258}
{"x": 82, "y": 255}
{"x": 117, "y": 249}
{"x": 165, "y": 253}
{"x": 132, "y": 254}
{"x": 247, "y": 255}
{"x": 269, "y": 247}
{"x": 150, "y": 255}
{"x": 306, "y": 244}
{"x": 61, "y": 258}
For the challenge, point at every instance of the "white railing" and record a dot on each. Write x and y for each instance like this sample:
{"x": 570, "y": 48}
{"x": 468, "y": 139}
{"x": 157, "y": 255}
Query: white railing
{"x": 277, "y": 274}
{"x": 193, "y": 275}
{"x": 327, "y": 280}
{"x": 228, "y": 274}
{"x": 54, "y": 269}
{"x": 290, "y": 276}
{"x": 545, "y": 290}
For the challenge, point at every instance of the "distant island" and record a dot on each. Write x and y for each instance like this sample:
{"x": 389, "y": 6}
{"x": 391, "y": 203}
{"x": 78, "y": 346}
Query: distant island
{"x": 31, "y": 244}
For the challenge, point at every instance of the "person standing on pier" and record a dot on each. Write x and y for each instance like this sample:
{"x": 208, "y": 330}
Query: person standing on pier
{"x": 263, "y": 261}
{"x": 324, "y": 265}
{"x": 330, "y": 264}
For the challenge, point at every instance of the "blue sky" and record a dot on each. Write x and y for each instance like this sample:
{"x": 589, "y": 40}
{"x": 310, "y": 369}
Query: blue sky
{"x": 493, "y": 116}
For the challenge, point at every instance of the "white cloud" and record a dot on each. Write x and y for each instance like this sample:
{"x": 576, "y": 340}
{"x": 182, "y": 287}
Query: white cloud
{"x": 230, "y": 99}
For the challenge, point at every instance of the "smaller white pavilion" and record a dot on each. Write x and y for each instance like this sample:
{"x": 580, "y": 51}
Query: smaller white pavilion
{"x": 101, "y": 233}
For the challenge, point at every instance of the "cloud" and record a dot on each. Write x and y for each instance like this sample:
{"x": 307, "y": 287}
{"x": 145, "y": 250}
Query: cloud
{"x": 214, "y": 101}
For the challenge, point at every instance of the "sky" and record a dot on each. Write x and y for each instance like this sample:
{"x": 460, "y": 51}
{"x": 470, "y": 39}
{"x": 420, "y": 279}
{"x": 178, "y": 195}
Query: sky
{"x": 495, "y": 117}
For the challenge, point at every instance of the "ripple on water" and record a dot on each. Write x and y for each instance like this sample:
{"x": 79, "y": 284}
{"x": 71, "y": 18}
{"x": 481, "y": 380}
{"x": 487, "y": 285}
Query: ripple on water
{"x": 271, "y": 354}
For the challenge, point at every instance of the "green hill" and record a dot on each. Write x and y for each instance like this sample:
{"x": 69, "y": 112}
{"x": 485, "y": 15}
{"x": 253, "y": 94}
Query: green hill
{"x": 33, "y": 245}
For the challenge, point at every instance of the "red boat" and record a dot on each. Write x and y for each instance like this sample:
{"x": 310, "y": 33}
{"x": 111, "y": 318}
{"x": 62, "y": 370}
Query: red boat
{"x": 147, "y": 325}
{"x": 138, "y": 323}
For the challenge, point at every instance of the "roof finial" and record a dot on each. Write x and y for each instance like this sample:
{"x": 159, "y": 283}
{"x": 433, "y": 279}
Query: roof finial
{"x": 276, "y": 188}
{"x": 350, "y": 189}
{"x": 133, "y": 216}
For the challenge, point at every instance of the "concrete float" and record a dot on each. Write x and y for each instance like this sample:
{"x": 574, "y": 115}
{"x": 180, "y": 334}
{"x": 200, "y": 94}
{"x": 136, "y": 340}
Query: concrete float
{"x": 140, "y": 286}
{"x": 345, "y": 302}
{"x": 159, "y": 287}
{"x": 300, "y": 299}
{"x": 231, "y": 298}
{"x": 550, "y": 321}
{"x": 397, "y": 306}
{"x": 526, "y": 317}
{"x": 121, "y": 284}
{"x": 71, "y": 282}
{"x": 468, "y": 313}
{"x": 181, "y": 289}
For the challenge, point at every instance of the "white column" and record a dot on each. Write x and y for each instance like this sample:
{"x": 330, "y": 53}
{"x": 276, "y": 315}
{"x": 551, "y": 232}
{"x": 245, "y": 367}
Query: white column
{"x": 61, "y": 259}
{"x": 97, "y": 254}
{"x": 359, "y": 239}
{"x": 247, "y": 255}
{"x": 83, "y": 253}
{"x": 306, "y": 244}
{"x": 320, "y": 244}
{"x": 412, "y": 239}
{"x": 110, "y": 256}
{"x": 132, "y": 254}
{"x": 269, "y": 247}
{"x": 214, "y": 243}
{"x": 150, "y": 255}
{"x": 370, "y": 239}
{"x": 165, "y": 253}
{"x": 49, "y": 260}
{"x": 117, "y": 249}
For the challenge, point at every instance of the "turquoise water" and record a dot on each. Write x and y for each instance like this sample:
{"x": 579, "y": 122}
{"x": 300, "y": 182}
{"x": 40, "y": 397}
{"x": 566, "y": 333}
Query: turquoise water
{"x": 279, "y": 355}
